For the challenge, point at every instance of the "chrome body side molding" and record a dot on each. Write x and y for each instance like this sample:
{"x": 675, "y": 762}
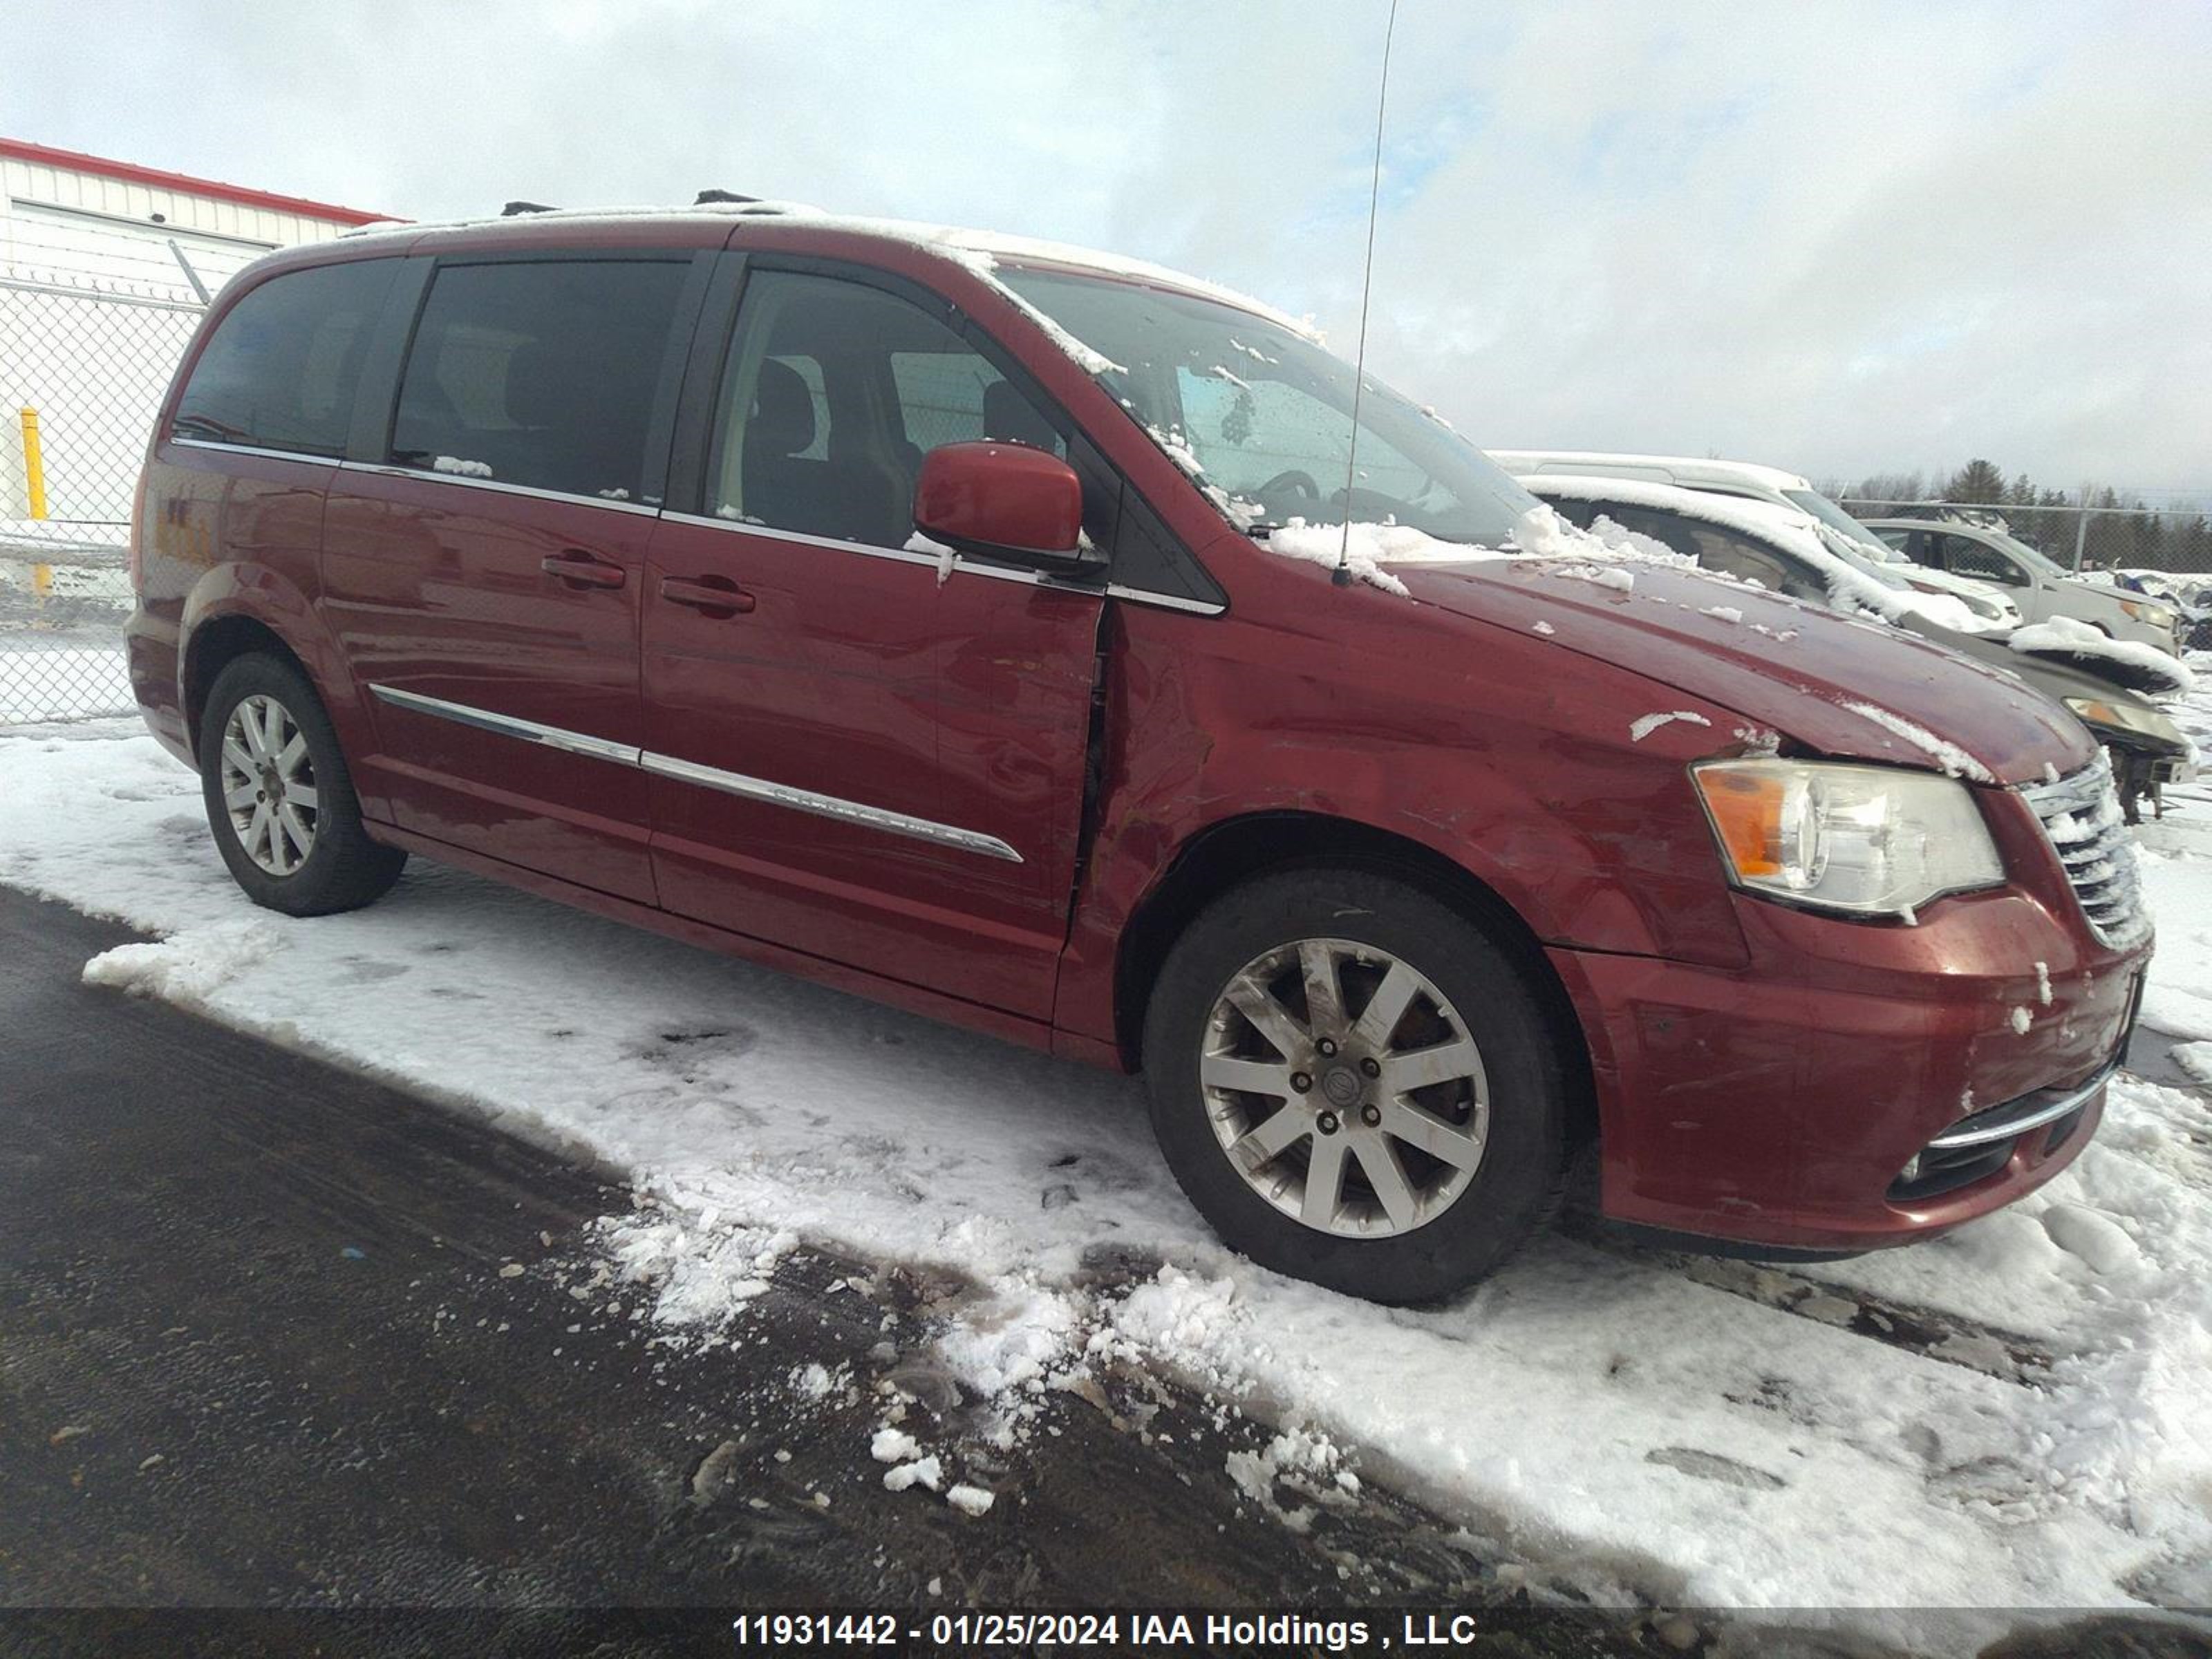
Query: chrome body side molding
{"x": 509, "y": 726}
{"x": 829, "y": 807}
{"x": 708, "y": 777}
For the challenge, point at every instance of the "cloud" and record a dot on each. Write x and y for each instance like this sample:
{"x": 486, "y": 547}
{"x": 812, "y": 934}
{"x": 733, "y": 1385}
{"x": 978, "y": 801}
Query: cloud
{"x": 1843, "y": 238}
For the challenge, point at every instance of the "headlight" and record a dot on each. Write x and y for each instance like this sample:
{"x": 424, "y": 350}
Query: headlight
{"x": 2150, "y": 615}
{"x": 2126, "y": 717}
{"x": 1865, "y": 839}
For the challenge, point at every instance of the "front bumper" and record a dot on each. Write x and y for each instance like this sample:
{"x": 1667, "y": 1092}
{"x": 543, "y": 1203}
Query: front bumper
{"x": 1795, "y": 1103}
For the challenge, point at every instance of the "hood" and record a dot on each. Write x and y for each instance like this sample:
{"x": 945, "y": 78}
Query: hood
{"x": 1855, "y": 690}
{"x": 2058, "y": 678}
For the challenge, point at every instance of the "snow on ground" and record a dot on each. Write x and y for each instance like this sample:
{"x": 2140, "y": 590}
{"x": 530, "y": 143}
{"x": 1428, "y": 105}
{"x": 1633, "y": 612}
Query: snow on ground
{"x": 1638, "y": 1427}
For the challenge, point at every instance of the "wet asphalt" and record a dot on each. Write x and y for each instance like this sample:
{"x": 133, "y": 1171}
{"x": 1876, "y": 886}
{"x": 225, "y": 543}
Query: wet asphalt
{"x": 293, "y": 1363}
{"x": 258, "y": 1351}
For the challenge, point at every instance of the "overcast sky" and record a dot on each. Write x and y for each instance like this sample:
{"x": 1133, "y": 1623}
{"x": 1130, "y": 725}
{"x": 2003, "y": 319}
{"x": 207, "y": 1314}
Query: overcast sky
{"x": 1836, "y": 236}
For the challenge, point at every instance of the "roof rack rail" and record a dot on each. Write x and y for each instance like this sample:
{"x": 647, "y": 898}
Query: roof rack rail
{"x": 514, "y": 208}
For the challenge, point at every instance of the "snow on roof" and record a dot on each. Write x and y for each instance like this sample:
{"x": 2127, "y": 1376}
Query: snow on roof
{"x": 1687, "y": 466}
{"x": 953, "y": 240}
{"x": 1795, "y": 534}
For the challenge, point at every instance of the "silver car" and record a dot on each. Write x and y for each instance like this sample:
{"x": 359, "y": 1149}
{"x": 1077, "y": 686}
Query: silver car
{"x": 2039, "y": 587}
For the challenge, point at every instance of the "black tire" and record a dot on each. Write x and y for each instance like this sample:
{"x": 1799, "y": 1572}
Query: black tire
{"x": 1514, "y": 1189}
{"x": 343, "y": 869}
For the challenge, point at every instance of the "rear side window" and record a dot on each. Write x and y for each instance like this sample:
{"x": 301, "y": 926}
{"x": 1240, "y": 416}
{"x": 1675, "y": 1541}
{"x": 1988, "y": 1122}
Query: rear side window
{"x": 542, "y": 373}
{"x": 280, "y": 370}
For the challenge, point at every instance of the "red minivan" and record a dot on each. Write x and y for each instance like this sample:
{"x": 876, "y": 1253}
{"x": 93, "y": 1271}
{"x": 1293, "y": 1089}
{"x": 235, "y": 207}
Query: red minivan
{"x": 919, "y": 611}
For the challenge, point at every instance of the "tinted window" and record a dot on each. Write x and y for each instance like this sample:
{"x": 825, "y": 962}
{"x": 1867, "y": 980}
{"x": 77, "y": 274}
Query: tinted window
{"x": 950, "y": 398}
{"x": 833, "y": 393}
{"x": 1714, "y": 547}
{"x": 280, "y": 371}
{"x": 1964, "y": 558}
{"x": 541, "y": 373}
{"x": 1732, "y": 555}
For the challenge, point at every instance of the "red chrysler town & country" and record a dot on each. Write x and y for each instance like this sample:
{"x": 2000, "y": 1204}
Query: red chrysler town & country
{"x": 909, "y": 609}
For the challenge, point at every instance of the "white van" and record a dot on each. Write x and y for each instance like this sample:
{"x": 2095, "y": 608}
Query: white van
{"x": 1994, "y": 610}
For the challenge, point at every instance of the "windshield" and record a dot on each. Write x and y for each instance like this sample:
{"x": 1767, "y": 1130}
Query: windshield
{"x": 1812, "y": 501}
{"x": 2034, "y": 557}
{"x": 1261, "y": 416}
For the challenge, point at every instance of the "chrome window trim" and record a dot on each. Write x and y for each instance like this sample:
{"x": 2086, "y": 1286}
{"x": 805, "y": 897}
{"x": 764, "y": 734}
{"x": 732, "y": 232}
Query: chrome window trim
{"x": 871, "y": 550}
{"x": 394, "y": 470}
{"x": 1166, "y": 601}
{"x": 428, "y": 475}
{"x": 828, "y": 806}
{"x": 908, "y": 556}
{"x": 709, "y": 777}
{"x": 255, "y": 449}
{"x": 510, "y": 725}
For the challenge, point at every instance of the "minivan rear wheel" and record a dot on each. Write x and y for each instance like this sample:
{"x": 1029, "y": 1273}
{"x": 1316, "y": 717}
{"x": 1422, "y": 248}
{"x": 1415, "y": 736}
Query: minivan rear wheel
{"x": 1354, "y": 1085}
{"x": 279, "y": 798}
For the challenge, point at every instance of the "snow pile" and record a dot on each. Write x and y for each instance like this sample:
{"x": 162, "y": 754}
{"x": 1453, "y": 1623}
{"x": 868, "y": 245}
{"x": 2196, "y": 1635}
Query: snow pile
{"x": 946, "y": 557}
{"x": 460, "y": 467}
{"x": 1539, "y": 533}
{"x": 912, "y": 1467}
{"x": 701, "y": 1273}
{"x": 187, "y": 967}
{"x": 1704, "y": 1433}
{"x": 1364, "y": 548}
{"x": 2145, "y": 667}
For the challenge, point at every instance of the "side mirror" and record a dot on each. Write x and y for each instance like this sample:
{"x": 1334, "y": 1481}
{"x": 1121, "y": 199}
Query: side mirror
{"x": 1004, "y": 500}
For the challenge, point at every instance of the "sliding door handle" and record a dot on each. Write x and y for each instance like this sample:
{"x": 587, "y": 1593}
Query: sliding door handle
{"x": 581, "y": 569}
{"x": 710, "y": 596}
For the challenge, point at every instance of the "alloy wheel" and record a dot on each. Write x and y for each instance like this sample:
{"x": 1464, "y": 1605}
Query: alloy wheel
{"x": 1344, "y": 1088}
{"x": 269, "y": 785}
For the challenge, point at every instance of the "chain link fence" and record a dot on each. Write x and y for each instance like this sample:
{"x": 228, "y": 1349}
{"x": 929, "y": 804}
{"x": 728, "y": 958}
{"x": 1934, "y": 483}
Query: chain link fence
{"x": 83, "y": 364}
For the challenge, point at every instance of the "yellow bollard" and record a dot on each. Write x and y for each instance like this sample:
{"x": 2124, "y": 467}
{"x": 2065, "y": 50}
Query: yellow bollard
{"x": 34, "y": 488}
{"x": 34, "y": 465}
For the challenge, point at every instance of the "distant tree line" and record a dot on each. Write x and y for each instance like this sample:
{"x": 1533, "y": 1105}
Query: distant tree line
{"x": 2137, "y": 536}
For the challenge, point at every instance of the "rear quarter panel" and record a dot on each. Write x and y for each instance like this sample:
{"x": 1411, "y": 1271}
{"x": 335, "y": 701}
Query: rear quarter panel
{"x": 230, "y": 535}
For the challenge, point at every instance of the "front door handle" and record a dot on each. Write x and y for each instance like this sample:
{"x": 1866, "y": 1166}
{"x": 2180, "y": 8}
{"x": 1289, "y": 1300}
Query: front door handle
{"x": 581, "y": 569}
{"x": 710, "y": 596}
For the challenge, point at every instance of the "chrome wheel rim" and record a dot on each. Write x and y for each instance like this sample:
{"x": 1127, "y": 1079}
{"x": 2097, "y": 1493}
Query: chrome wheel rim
{"x": 269, "y": 785}
{"x": 1344, "y": 1088}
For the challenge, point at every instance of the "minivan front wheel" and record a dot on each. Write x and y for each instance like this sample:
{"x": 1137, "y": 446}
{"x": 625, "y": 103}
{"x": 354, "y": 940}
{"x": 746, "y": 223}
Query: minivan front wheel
{"x": 279, "y": 798}
{"x": 1355, "y": 1086}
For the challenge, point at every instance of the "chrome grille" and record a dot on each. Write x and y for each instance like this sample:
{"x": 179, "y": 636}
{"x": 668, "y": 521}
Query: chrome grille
{"x": 2082, "y": 815}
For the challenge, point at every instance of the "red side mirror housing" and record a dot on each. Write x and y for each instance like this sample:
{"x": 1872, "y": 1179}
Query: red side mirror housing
{"x": 1003, "y": 500}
